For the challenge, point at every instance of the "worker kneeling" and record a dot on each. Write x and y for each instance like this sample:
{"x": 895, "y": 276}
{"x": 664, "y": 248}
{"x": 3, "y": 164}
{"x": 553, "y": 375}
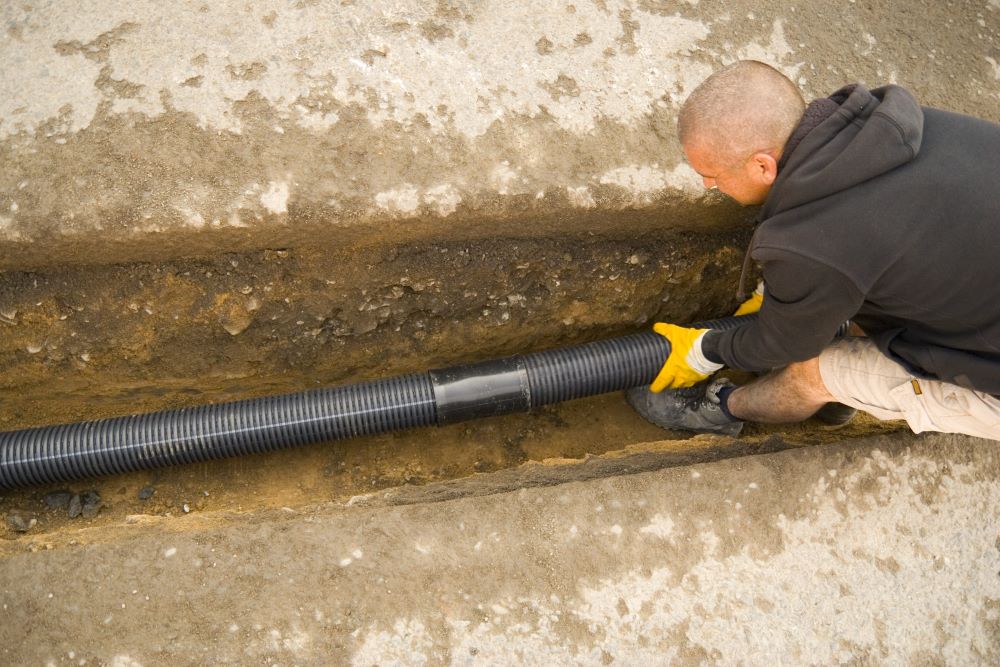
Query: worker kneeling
{"x": 873, "y": 209}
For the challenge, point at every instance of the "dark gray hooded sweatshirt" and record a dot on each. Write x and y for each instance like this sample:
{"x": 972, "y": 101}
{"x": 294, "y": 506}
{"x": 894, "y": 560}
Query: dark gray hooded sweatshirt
{"x": 887, "y": 213}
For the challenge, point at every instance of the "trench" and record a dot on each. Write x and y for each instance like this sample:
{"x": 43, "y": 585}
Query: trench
{"x": 572, "y": 441}
{"x": 89, "y": 342}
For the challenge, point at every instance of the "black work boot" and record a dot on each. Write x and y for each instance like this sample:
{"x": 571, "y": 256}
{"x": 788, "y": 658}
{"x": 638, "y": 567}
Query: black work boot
{"x": 695, "y": 410}
{"x": 835, "y": 415}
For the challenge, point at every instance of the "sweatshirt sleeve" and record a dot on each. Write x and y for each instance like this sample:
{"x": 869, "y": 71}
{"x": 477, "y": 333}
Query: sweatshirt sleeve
{"x": 804, "y": 303}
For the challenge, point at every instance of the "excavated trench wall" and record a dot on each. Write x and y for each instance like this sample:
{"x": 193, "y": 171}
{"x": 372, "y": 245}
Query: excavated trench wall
{"x": 209, "y": 201}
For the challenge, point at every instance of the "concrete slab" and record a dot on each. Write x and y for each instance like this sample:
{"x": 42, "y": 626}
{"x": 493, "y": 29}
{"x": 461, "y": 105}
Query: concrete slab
{"x": 867, "y": 552}
{"x": 148, "y": 130}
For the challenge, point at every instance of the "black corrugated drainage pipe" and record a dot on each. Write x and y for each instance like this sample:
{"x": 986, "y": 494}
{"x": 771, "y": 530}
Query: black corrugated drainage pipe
{"x": 513, "y": 384}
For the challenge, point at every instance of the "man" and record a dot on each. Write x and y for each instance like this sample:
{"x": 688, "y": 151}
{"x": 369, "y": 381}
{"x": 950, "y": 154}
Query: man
{"x": 874, "y": 209}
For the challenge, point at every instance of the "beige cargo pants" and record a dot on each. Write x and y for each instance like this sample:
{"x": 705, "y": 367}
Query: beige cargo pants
{"x": 859, "y": 375}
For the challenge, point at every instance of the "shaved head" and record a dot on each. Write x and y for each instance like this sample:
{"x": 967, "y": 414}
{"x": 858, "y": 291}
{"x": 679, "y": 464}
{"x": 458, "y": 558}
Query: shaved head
{"x": 744, "y": 108}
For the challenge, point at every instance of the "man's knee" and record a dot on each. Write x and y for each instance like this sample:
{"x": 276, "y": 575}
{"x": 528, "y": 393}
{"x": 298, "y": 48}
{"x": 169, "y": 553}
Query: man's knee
{"x": 805, "y": 376}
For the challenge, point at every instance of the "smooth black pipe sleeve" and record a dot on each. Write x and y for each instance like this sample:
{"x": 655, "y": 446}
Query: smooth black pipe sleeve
{"x": 514, "y": 384}
{"x": 485, "y": 389}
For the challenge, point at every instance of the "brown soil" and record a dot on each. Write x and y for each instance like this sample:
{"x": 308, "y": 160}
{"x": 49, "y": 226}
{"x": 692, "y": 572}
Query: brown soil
{"x": 87, "y": 342}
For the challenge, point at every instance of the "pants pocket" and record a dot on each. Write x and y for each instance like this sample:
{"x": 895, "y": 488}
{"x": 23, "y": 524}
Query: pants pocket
{"x": 946, "y": 408}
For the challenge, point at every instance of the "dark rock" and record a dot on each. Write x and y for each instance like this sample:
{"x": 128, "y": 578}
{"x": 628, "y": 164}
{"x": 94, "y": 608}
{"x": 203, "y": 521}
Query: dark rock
{"x": 75, "y": 506}
{"x": 146, "y": 492}
{"x": 20, "y": 521}
{"x": 58, "y": 500}
{"x": 91, "y": 504}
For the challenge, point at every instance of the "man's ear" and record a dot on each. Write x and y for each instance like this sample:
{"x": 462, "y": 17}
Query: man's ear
{"x": 763, "y": 168}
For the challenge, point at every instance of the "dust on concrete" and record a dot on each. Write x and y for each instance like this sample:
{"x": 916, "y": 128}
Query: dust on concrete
{"x": 161, "y": 188}
{"x": 934, "y": 49}
{"x": 636, "y": 565}
{"x": 127, "y": 177}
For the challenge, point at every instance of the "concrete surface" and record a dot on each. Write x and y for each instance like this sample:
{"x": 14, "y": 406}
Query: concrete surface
{"x": 864, "y": 552}
{"x": 146, "y": 130}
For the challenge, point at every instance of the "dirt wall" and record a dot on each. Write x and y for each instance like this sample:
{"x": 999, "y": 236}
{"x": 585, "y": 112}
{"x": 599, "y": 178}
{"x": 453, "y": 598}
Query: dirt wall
{"x": 94, "y": 341}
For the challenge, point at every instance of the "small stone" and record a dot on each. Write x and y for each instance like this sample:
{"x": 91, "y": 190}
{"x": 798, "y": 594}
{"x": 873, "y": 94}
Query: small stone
{"x": 235, "y": 319}
{"x": 91, "y": 504}
{"x": 57, "y": 500}
{"x": 236, "y": 325}
{"x": 75, "y": 506}
{"x": 21, "y": 522}
{"x": 146, "y": 492}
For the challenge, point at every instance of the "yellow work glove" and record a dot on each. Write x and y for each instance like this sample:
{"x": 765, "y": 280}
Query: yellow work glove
{"x": 686, "y": 365}
{"x": 753, "y": 304}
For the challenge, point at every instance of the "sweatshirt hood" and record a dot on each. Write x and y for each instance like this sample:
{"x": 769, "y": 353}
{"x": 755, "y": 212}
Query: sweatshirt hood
{"x": 868, "y": 134}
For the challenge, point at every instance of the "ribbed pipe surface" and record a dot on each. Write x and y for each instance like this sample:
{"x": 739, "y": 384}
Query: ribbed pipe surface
{"x": 594, "y": 368}
{"x": 122, "y": 444}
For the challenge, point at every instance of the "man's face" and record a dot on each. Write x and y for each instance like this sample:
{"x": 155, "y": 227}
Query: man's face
{"x": 747, "y": 181}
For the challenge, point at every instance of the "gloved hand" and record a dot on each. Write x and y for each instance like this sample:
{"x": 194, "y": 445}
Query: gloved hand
{"x": 753, "y": 304}
{"x": 686, "y": 365}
